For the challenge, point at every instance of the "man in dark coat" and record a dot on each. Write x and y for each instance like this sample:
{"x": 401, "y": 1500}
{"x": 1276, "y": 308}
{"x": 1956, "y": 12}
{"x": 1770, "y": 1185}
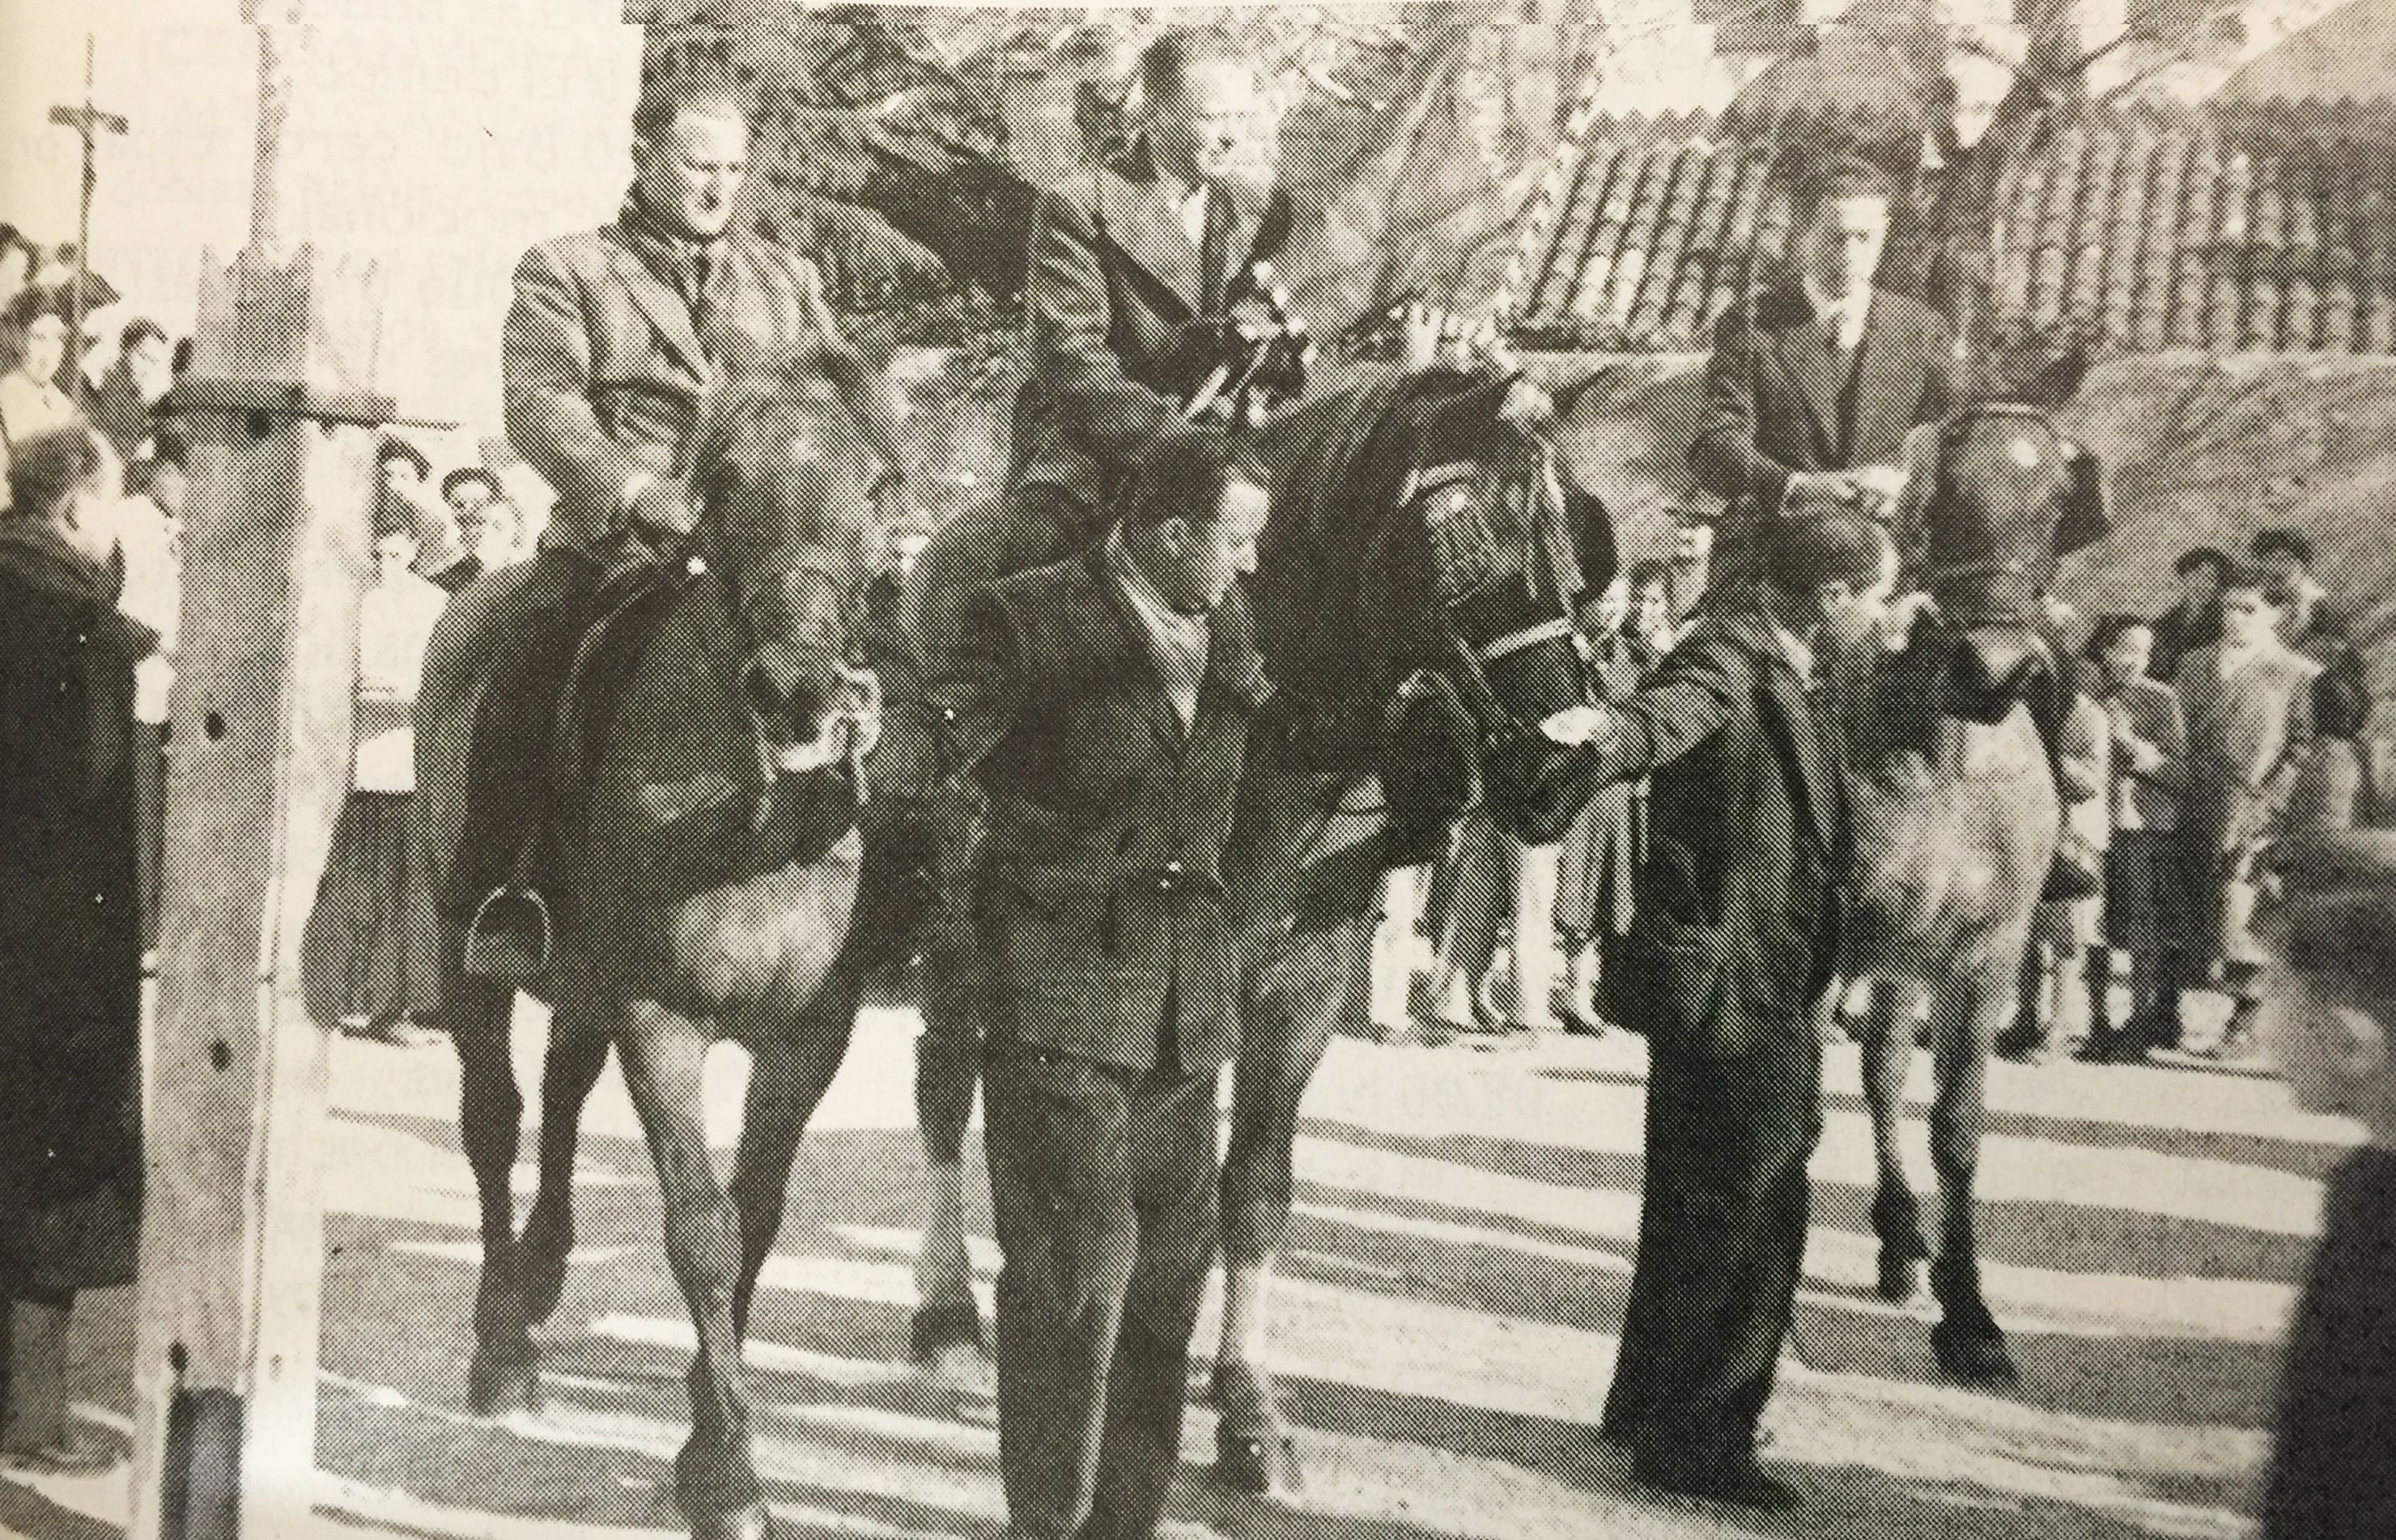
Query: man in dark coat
{"x": 1725, "y": 968}
{"x": 1125, "y": 263}
{"x": 1102, "y": 705}
{"x": 1813, "y": 387}
{"x": 70, "y": 918}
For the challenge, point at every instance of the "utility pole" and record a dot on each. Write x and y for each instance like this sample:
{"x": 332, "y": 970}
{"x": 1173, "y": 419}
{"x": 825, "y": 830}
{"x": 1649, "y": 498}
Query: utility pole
{"x": 282, "y": 416}
{"x": 89, "y": 122}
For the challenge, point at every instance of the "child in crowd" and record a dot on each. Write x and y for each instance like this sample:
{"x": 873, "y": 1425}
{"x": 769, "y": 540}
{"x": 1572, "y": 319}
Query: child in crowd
{"x": 2248, "y": 700}
{"x": 2333, "y": 989}
{"x": 2144, "y": 913}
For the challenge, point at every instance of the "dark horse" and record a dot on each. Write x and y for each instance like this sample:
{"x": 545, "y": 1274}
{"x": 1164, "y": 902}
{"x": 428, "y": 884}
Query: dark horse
{"x": 704, "y": 878}
{"x": 1423, "y": 548}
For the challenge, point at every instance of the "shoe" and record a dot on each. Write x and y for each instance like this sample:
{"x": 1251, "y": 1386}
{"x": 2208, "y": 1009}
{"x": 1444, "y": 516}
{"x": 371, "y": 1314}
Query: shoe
{"x": 1736, "y": 1482}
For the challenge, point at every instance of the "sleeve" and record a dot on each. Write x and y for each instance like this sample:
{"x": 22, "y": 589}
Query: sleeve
{"x": 1724, "y": 455}
{"x": 545, "y": 363}
{"x": 1068, "y": 310}
{"x": 1692, "y": 695}
{"x": 977, "y": 687}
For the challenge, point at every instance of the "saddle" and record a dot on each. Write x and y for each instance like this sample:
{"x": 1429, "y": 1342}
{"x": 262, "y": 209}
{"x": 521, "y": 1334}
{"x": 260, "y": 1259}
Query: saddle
{"x": 511, "y": 938}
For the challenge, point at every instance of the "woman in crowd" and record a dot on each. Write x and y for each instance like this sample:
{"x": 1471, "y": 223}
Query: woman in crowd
{"x": 1621, "y": 629}
{"x": 369, "y": 961}
{"x": 2145, "y": 911}
{"x": 30, "y": 402}
{"x": 70, "y": 922}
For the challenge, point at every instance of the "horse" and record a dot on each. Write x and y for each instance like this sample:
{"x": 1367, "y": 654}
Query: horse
{"x": 1957, "y": 816}
{"x": 705, "y": 872}
{"x": 1424, "y": 550}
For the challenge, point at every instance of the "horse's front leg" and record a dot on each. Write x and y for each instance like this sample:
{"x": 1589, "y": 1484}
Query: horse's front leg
{"x": 664, "y": 1057}
{"x": 490, "y": 1123}
{"x": 1968, "y": 1010}
{"x": 578, "y": 1052}
{"x": 1887, "y": 1060}
{"x": 793, "y": 1068}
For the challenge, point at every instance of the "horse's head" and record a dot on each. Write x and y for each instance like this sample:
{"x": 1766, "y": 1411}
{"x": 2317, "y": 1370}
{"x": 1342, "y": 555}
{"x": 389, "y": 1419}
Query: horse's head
{"x": 1511, "y": 548}
{"x": 785, "y": 476}
{"x": 1997, "y": 496}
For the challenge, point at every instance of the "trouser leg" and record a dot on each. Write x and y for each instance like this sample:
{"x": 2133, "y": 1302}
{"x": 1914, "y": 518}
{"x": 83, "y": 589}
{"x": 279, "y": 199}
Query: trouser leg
{"x": 1063, "y": 1191}
{"x": 1730, "y": 1157}
{"x": 1174, "y": 1135}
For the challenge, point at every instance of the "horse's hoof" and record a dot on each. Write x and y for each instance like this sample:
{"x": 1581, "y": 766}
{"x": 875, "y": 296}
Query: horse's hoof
{"x": 540, "y": 1257}
{"x": 1259, "y": 1465}
{"x": 938, "y": 1328}
{"x": 1903, "y": 1279}
{"x": 504, "y": 1381}
{"x": 749, "y": 1523}
{"x": 1974, "y": 1357}
{"x": 2021, "y": 1045}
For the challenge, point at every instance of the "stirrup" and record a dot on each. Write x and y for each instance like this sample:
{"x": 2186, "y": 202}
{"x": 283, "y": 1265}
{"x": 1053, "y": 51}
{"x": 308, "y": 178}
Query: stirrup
{"x": 511, "y": 939}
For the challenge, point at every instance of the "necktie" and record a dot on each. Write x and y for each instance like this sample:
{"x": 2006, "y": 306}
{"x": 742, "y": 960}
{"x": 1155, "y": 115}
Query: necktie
{"x": 703, "y": 300}
{"x": 1213, "y": 253}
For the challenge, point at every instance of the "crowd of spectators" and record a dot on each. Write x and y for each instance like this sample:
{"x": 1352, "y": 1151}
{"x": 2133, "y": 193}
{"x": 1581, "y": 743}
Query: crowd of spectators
{"x": 2235, "y": 714}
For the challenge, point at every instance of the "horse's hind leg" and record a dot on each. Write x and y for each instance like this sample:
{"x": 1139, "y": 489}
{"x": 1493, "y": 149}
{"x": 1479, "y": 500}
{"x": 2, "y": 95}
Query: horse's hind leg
{"x": 1887, "y": 1059}
{"x": 578, "y": 1052}
{"x": 1967, "y": 1011}
{"x": 490, "y": 1123}
{"x": 947, "y": 1334}
{"x": 792, "y": 1069}
{"x": 715, "y": 1480}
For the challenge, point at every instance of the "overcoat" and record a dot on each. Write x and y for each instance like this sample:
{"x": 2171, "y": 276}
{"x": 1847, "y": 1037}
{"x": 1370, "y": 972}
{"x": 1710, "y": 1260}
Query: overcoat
{"x": 70, "y": 921}
{"x": 1738, "y": 910}
{"x": 2249, "y": 729}
{"x": 1098, "y": 887}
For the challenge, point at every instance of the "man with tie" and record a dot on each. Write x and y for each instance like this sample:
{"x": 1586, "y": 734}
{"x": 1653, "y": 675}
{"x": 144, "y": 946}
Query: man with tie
{"x": 612, "y": 342}
{"x": 1128, "y": 261}
{"x": 1102, "y": 704}
{"x": 1814, "y": 384}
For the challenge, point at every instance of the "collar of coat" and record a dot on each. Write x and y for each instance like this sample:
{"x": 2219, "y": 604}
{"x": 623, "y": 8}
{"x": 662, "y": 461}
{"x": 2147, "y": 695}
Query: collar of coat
{"x": 36, "y": 557}
{"x": 1133, "y": 209}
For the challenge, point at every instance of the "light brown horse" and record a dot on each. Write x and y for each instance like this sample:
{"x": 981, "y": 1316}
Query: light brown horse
{"x": 706, "y": 875}
{"x": 1956, "y": 824}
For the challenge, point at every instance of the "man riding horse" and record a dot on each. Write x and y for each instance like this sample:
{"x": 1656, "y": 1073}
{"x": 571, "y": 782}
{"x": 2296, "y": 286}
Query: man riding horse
{"x": 1823, "y": 392}
{"x": 614, "y": 341}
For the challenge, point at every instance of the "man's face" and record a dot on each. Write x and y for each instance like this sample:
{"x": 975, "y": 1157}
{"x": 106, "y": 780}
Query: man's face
{"x": 690, "y": 174}
{"x": 469, "y": 500}
{"x": 1651, "y": 609}
{"x": 1205, "y": 560}
{"x": 45, "y": 346}
{"x": 2247, "y": 617}
{"x": 152, "y": 364}
{"x": 1205, "y": 130}
{"x": 1846, "y": 239}
{"x": 499, "y": 532}
{"x": 1691, "y": 543}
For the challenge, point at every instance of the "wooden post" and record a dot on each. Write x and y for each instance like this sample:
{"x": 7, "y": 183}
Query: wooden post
{"x": 279, "y": 404}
